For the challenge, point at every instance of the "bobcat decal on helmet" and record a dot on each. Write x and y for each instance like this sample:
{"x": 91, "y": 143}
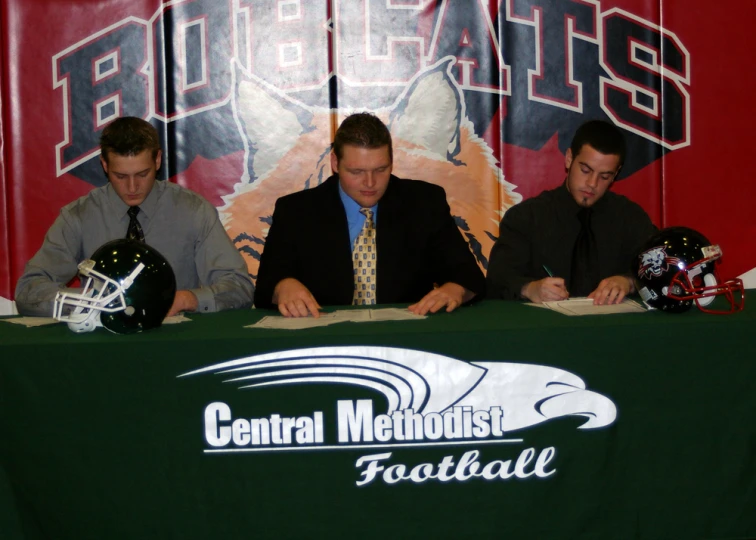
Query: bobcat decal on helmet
{"x": 655, "y": 261}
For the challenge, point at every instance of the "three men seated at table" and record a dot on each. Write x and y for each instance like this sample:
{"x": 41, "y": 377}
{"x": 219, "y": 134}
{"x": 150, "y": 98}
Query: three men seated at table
{"x": 362, "y": 237}
{"x": 210, "y": 273}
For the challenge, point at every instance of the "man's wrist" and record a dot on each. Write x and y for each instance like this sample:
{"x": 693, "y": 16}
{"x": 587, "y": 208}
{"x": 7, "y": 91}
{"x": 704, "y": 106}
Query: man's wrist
{"x": 525, "y": 291}
{"x": 631, "y": 284}
{"x": 277, "y": 289}
{"x": 455, "y": 289}
{"x": 202, "y": 299}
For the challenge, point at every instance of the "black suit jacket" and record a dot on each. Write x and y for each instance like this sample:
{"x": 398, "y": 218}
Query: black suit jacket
{"x": 418, "y": 245}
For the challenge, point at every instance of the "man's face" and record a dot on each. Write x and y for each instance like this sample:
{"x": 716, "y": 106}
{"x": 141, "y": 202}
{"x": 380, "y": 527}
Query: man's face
{"x": 589, "y": 174}
{"x": 132, "y": 177}
{"x": 363, "y": 173}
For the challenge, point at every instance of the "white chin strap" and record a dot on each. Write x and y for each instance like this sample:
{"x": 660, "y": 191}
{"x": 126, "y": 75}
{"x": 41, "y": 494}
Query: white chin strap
{"x": 91, "y": 322}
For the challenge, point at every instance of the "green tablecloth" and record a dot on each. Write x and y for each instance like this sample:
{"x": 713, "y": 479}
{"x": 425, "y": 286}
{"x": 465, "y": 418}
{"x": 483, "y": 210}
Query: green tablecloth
{"x": 101, "y": 438}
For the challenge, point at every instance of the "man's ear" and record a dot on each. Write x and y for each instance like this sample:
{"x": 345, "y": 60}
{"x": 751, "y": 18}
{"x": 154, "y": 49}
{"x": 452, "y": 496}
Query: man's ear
{"x": 158, "y": 159}
{"x": 614, "y": 178}
{"x": 104, "y": 164}
{"x": 334, "y": 162}
{"x": 568, "y": 159}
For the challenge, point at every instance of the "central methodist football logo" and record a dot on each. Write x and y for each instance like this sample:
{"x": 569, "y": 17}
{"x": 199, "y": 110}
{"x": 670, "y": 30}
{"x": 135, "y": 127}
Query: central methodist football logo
{"x": 487, "y": 399}
{"x": 430, "y": 400}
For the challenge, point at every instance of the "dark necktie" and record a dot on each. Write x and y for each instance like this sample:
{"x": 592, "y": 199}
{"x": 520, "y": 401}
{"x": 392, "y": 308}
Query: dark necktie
{"x": 585, "y": 270}
{"x": 135, "y": 229}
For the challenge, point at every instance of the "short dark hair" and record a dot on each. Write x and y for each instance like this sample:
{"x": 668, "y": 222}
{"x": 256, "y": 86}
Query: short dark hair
{"x": 129, "y": 136}
{"x": 601, "y": 135}
{"x": 364, "y": 130}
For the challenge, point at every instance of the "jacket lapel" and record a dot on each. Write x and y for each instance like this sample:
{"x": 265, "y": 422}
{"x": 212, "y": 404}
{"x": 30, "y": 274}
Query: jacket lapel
{"x": 390, "y": 239}
{"x": 335, "y": 239}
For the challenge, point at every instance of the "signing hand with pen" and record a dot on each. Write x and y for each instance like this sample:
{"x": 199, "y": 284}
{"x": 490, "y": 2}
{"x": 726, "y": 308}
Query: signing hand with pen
{"x": 550, "y": 289}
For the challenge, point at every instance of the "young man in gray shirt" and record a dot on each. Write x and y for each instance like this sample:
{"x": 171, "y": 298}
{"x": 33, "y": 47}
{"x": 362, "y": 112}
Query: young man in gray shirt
{"x": 210, "y": 273}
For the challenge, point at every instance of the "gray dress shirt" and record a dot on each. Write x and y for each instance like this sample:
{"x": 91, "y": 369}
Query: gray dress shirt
{"x": 177, "y": 222}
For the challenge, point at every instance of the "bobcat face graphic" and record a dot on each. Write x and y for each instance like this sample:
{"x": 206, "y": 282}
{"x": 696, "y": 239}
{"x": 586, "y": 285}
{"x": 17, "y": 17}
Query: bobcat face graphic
{"x": 654, "y": 262}
{"x": 288, "y": 146}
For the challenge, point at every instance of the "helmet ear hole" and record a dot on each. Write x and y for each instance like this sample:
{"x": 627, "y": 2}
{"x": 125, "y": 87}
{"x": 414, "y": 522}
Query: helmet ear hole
{"x": 710, "y": 280}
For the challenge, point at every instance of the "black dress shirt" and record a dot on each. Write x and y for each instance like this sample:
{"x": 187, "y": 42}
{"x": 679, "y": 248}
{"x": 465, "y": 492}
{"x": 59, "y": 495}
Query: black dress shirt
{"x": 542, "y": 231}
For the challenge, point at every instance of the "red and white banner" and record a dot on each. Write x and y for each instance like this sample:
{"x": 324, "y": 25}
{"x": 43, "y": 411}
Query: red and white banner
{"x": 482, "y": 97}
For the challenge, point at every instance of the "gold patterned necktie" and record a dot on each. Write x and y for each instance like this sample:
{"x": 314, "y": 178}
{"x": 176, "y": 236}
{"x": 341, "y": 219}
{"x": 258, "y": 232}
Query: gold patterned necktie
{"x": 134, "y": 231}
{"x": 364, "y": 262}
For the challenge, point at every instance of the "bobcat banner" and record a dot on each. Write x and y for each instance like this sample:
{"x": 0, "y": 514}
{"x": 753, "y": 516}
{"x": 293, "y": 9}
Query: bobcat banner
{"x": 481, "y": 97}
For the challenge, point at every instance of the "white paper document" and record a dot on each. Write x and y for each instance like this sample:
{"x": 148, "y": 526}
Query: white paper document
{"x": 31, "y": 321}
{"x": 280, "y": 322}
{"x": 176, "y": 319}
{"x": 585, "y": 306}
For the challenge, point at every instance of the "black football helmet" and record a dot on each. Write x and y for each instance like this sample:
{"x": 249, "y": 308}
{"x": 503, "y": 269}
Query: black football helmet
{"x": 128, "y": 287}
{"x": 677, "y": 268}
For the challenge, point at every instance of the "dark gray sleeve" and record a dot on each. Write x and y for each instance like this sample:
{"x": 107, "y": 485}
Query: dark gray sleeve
{"x": 454, "y": 262}
{"x": 222, "y": 271}
{"x": 51, "y": 268}
{"x": 510, "y": 256}
{"x": 635, "y": 230}
{"x": 278, "y": 259}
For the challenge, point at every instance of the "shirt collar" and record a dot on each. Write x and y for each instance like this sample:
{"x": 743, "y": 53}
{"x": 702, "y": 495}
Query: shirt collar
{"x": 150, "y": 203}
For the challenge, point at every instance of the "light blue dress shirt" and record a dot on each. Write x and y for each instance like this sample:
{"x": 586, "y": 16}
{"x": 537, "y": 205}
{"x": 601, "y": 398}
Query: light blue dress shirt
{"x": 355, "y": 219}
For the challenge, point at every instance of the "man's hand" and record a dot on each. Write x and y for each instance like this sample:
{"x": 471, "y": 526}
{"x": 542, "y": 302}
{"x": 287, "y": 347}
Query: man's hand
{"x": 612, "y": 290}
{"x": 550, "y": 289}
{"x": 450, "y": 295}
{"x": 183, "y": 301}
{"x": 294, "y": 299}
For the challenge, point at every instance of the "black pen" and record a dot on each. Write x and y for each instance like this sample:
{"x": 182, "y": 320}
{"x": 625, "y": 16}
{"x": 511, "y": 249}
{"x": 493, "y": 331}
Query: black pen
{"x": 547, "y": 270}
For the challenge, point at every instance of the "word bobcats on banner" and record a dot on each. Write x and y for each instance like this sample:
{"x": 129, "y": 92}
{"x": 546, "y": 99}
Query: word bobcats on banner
{"x": 178, "y": 63}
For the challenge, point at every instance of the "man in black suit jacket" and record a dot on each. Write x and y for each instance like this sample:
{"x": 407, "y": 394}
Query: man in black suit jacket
{"x": 422, "y": 257}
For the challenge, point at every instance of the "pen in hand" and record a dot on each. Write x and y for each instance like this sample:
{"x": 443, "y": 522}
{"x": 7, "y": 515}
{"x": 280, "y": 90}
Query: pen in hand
{"x": 561, "y": 285}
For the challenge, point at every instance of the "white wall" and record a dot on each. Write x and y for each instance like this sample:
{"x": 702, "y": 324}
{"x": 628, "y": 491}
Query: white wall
{"x": 7, "y": 307}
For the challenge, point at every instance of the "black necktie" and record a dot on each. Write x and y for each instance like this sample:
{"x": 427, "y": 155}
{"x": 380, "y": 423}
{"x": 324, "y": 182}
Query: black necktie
{"x": 135, "y": 229}
{"x": 585, "y": 270}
